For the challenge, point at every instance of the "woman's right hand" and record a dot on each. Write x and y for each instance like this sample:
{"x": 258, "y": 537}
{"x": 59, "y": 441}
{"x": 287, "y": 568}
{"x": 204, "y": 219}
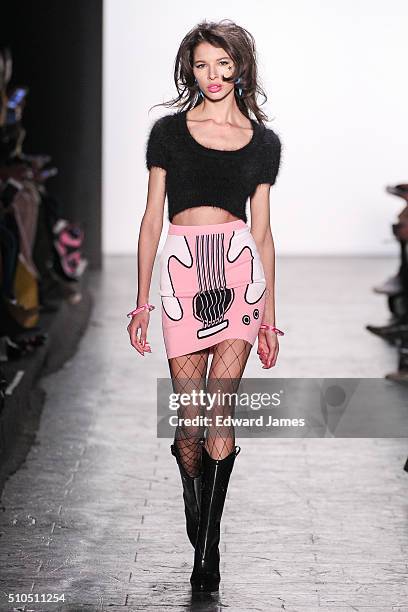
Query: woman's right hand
{"x": 139, "y": 321}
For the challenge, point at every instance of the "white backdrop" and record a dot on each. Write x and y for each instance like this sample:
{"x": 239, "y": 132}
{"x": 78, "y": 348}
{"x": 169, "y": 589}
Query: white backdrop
{"x": 335, "y": 76}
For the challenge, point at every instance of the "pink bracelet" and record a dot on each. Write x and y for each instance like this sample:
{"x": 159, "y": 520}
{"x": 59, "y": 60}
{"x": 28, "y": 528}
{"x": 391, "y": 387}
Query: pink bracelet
{"x": 140, "y": 308}
{"x": 272, "y": 328}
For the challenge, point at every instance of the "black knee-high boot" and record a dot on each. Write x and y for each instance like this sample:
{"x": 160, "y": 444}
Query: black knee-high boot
{"x": 191, "y": 495}
{"x": 215, "y": 478}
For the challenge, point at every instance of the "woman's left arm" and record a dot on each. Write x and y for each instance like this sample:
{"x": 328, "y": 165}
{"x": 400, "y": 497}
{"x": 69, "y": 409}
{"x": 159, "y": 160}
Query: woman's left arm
{"x": 268, "y": 345}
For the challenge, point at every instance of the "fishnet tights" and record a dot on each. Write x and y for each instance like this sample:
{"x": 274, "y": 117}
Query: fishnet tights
{"x": 188, "y": 373}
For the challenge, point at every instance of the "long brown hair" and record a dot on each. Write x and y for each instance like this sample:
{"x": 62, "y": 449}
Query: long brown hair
{"x": 240, "y": 46}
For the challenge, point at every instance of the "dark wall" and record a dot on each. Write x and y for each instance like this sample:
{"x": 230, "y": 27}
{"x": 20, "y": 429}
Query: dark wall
{"x": 57, "y": 52}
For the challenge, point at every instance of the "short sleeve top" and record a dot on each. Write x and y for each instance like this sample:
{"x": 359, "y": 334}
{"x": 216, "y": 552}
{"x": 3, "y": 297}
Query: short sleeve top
{"x": 200, "y": 176}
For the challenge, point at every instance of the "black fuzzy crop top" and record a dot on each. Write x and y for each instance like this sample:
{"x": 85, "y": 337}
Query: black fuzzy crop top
{"x": 199, "y": 176}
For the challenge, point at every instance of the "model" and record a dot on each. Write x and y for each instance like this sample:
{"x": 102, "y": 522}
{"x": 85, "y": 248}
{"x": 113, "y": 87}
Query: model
{"x": 217, "y": 275}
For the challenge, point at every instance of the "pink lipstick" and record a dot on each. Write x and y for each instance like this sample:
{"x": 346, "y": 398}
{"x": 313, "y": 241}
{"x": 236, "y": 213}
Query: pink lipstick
{"x": 214, "y": 88}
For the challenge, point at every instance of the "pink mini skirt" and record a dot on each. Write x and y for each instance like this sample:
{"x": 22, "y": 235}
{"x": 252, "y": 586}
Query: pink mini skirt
{"x": 212, "y": 286}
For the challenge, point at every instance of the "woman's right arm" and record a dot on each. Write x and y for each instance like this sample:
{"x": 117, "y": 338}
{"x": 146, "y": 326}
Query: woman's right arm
{"x": 149, "y": 237}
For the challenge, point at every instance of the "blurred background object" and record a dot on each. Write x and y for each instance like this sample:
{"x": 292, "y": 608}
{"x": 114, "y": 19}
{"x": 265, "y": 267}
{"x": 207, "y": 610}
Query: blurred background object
{"x": 50, "y": 196}
{"x": 395, "y": 288}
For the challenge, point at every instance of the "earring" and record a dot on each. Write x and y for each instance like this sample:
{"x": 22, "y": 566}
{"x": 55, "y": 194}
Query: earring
{"x": 200, "y": 93}
{"x": 240, "y": 89}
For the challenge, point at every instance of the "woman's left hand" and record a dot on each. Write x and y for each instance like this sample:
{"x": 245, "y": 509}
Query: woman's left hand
{"x": 268, "y": 348}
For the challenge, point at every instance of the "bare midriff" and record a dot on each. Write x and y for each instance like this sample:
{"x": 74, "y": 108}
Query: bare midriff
{"x": 203, "y": 215}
